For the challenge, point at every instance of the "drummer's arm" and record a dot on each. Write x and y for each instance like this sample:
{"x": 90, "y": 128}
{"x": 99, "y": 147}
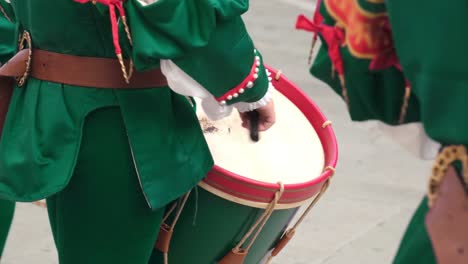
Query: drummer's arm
{"x": 245, "y": 89}
{"x": 203, "y": 49}
{"x": 206, "y": 51}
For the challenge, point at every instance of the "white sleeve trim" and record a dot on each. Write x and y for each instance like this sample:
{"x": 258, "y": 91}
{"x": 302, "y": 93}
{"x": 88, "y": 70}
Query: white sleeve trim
{"x": 181, "y": 83}
{"x": 244, "y": 107}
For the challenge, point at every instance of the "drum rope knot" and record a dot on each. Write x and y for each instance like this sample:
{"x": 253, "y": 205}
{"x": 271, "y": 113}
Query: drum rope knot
{"x": 166, "y": 230}
{"x": 288, "y": 235}
{"x": 238, "y": 254}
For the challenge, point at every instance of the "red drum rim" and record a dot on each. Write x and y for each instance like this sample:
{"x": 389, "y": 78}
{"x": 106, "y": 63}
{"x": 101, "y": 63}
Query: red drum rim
{"x": 239, "y": 189}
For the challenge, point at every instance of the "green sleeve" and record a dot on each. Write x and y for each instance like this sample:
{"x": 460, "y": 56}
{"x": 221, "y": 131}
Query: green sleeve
{"x": 169, "y": 29}
{"x": 7, "y": 32}
{"x": 6, "y": 11}
{"x": 431, "y": 43}
{"x": 207, "y": 39}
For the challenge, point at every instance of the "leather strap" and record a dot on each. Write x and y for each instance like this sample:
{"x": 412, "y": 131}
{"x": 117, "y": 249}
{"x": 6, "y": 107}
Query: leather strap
{"x": 79, "y": 71}
{"x": 16, "y": 66}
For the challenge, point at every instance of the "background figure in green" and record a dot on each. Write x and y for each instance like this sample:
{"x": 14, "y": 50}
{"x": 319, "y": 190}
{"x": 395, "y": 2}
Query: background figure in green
{"x": 7, "y": 210}
{"x": 398, "y": 62}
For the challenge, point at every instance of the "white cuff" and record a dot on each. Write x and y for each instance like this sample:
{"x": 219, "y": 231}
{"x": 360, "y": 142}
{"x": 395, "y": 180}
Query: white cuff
{"x": 181, "y": 83}
{"x": 215, "y": 111}
{"x": 244, "y": 107}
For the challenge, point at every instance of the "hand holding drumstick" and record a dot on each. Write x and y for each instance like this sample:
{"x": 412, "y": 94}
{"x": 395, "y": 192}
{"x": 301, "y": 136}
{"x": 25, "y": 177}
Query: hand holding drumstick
{"x": 260, "y": 119}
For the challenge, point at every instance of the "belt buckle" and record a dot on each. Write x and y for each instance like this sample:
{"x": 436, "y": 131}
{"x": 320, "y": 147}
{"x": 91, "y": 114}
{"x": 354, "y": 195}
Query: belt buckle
{"x": 25, "y": 39}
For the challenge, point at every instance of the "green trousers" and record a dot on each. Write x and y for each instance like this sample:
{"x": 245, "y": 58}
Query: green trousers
{"x": 102, "y": 217}
{"x": 7, "y": 210}
{"x": 416, "y": 247}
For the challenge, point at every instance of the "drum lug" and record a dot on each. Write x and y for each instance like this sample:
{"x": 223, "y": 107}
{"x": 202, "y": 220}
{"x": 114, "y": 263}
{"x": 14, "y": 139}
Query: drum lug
{"x": 234, "y": 257}
{"x": 164, "y": 238}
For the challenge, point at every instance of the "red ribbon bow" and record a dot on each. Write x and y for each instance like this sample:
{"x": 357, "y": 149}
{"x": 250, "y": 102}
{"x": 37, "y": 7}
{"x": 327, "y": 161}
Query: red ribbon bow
{"x": 333, "y": 36}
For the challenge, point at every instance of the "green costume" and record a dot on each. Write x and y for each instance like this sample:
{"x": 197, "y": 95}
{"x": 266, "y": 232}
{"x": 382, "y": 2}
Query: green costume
{"x": 104, "y": 157}
{"x": 7, "y": 208}
{"x": 420, "y": 41}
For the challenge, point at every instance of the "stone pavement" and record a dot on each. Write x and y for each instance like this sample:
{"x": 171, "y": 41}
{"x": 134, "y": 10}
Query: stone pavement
{"x": 373, "y": 194}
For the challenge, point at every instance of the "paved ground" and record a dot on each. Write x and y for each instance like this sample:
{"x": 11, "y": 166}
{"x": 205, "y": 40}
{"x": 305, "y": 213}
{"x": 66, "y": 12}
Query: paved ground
{"x": 376, "y": 188}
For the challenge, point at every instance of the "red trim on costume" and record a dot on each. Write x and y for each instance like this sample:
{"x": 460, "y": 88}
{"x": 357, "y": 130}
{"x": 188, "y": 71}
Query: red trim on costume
{"x": 387, "y": 59}
{"x": 247, "y": 83}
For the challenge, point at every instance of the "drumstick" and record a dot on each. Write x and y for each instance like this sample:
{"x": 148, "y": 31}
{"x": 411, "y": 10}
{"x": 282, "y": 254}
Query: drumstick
{"x": 253, "y": 117}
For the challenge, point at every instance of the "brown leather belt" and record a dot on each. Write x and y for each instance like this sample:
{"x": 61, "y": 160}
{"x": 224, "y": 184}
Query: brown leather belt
{"x": 79, "y": 71}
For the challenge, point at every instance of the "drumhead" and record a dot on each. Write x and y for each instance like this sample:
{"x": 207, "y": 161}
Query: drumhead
{"x": 290, "y": 152}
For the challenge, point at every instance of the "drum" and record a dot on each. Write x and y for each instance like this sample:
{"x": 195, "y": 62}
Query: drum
{"x": 240, "y": 212}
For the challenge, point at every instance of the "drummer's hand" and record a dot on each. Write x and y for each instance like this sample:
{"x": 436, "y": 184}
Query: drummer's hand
{"x": 266, "y": 117}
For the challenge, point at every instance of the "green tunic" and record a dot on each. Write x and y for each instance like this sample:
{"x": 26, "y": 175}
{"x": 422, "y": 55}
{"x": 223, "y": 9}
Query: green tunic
{"x": 42, "y": 133}
{"x": 431, "y": 44}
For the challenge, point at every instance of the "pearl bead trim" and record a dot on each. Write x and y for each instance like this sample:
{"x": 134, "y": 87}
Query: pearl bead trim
{"x": 248, "y": 82}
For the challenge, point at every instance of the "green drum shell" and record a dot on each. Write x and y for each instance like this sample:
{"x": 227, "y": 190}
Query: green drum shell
{"x": 210, "y": 226}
